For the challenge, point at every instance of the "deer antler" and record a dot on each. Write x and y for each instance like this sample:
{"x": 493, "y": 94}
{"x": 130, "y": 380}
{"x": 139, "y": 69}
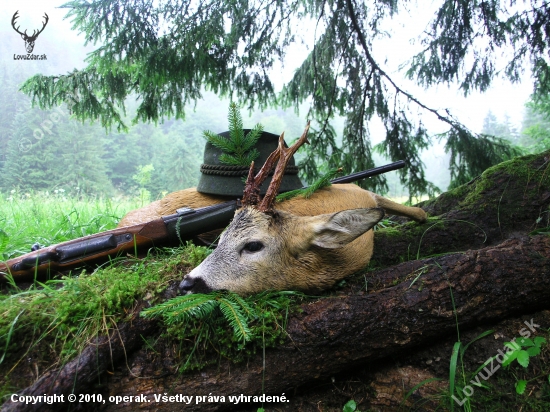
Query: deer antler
{"x": 251, "y": 195}
{"x": 15, "y": 16}
{"x": 283, "y": 155}
{"x": 43, "y": 26}
{"x": 34, "y": 33}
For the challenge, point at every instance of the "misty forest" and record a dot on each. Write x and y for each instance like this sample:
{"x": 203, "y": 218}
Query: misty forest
{"x": 115, "y": 120}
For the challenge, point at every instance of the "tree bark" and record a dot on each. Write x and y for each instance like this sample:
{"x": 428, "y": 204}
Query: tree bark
{"x": 508, "y": 199}
{"x": 333, "y": 333}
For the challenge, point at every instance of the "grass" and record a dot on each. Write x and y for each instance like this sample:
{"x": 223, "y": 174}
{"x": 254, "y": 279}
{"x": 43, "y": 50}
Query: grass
{"x": 50, "y": 218}
{"x": 50, "y": 323}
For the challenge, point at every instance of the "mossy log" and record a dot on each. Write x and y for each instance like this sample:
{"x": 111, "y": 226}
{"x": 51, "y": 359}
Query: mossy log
{"x": 410, "y": 305}
{"x": 507, "y": 199}
{"x": 328, "y": 336}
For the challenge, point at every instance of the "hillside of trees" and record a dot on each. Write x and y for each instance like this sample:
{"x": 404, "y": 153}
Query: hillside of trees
{"x": 45, "y": 150}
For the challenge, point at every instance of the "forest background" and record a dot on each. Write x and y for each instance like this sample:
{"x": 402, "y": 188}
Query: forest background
{"x": 49, "y": 151}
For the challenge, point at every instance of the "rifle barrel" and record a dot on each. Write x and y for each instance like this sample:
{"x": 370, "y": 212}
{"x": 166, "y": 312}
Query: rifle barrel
{"x": 369, "y": 173}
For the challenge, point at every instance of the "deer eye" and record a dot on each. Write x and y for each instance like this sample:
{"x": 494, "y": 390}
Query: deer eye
{"x": 253, "y": 247}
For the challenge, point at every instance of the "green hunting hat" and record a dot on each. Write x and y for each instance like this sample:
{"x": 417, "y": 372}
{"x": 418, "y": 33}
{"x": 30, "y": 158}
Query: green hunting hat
{"x": 218, "y": 178}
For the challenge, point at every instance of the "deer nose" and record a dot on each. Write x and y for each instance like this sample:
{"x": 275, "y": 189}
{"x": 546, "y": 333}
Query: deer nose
{"x": 186, "y": 285}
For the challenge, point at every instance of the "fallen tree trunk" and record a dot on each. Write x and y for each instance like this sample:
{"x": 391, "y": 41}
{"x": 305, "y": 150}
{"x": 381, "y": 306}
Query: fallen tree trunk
{"x": 510, "y": 198}
{"x": 335, "y": 333}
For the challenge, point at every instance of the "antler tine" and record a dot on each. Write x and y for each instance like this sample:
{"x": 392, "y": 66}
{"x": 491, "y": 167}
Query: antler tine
{"x": 285, "y": 155}
{"x": 251, "y": 195}
{"x": 44, "y": 24}
{"x": 35, "y": 33}
{"x": 13, "y": 19}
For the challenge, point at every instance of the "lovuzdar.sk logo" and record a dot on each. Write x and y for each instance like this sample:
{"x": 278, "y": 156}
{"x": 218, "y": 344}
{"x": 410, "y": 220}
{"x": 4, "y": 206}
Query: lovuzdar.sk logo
{"x": 29, "y": 40}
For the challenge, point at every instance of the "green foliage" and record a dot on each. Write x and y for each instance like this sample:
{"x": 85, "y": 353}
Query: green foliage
{"x": 59, "y": 317}
{"x": 504, "y": 129}
{"x": 52, "y": 322}
{"x": 50, "y": 218}
{"x": 184, "y": 308}
{"x": 350, "y": 406}
{"x": 536, "y": 125}
{"x": 457, "y": 361}
{"x": 323, "y": 181}
{"x": 463, "y": 42}
{"x": 167, "y": 53}
{"x": 142, "y": 178}
{"x": 239, "y": 149}
{"x": 4, "y": 238}
{"x": 225, "y": 323}
{"x": 471, "y": 155}
{"x": 521, "y": 349}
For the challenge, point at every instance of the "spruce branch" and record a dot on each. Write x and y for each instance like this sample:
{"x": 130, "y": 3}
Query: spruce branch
{"x": 323, "y": 181}
{"x": 235, "y": 318}
{"x": 238, "y": 149}
{"x": 354, "y": 22}
{"x": 182, "y": 308}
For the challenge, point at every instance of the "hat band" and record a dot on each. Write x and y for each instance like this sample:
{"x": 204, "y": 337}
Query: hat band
{"x": 227, "y": 170}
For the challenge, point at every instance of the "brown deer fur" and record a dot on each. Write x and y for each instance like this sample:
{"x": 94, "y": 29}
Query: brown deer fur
{"x": 330, "y": 199}
{"x": 309, "y": 274}
{"x": 298, "y": 244}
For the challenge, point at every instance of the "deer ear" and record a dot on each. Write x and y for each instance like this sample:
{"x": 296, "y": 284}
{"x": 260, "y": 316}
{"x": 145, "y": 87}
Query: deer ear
{"x": 338, "y": 229}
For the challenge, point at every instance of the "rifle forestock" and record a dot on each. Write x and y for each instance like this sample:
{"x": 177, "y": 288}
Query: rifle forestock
{"x": 94, "y": 248}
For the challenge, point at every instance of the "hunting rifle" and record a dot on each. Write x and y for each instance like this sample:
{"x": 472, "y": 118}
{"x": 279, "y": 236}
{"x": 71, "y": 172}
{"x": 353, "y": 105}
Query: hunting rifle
{"x": 183, "y": 225}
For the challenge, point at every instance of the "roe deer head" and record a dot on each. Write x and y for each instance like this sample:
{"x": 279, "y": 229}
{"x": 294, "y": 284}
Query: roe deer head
{"x": 264, "y": 248}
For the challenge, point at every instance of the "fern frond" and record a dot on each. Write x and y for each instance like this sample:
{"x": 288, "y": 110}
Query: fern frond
{"x": 183, "y": 308}
{"x": 234, "y": 315}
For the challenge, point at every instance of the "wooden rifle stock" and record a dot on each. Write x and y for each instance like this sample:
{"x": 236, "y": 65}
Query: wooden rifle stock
{"x": 100, "y": 247}
{"x": 183, "y": 225}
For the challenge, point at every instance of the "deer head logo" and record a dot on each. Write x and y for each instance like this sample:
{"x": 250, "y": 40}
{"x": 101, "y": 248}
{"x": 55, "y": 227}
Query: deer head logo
{"x": 29, "y": 40}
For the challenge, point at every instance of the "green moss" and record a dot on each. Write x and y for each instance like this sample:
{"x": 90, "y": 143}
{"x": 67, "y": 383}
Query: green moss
{"x": 522, "y": 177}
{"x": 203, "y": 339}
{"x": 409, "y": 238}
{"x": 52, "y": 322}
{"x": 527, "y": 174}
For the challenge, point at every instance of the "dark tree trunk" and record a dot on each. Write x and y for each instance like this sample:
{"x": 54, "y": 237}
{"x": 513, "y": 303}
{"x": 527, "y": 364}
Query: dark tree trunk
{"x": 408, "y": 304}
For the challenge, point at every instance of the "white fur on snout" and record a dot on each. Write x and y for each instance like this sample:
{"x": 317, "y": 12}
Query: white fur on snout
{"x": 194, "y": 275}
